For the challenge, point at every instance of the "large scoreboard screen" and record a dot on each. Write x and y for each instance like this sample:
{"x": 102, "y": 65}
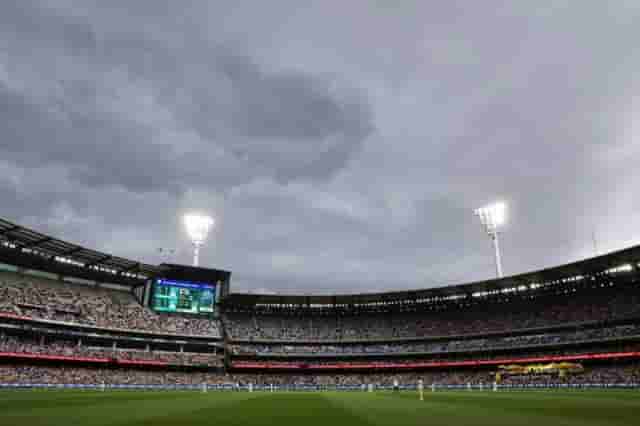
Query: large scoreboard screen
{"x": 168, "y": 295}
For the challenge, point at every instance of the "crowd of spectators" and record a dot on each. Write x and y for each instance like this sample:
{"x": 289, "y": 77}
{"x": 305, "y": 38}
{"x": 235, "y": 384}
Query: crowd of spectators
{"x": 26, "y": 345}
{"x": 605, "y": 304}
{"x": 611, "y": 374}
{"x": 106, "y": 308}
{"x": 456, "y": 345}
{"x": 52, "y": 347}
{"x": 513, "y": 357}
{"x": 48, "y": 346}
{"x": 72, "y": 303}
{"x": 183, "y": 358}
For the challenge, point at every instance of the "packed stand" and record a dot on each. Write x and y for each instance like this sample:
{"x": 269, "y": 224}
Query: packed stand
{"x": 26, "y": 374}
{"x": 551, "y": 338}
{"x": 51, "y": 300}
{"x": 512, "y": 357}
{"x": 25, "y": 345}
{"x": 545, "y": 312}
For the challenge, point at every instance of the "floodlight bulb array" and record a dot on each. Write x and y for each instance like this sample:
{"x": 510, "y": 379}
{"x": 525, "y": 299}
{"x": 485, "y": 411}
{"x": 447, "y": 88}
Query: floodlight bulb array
{"x": 198, "y": 227}
{"x": 492, "y": 216}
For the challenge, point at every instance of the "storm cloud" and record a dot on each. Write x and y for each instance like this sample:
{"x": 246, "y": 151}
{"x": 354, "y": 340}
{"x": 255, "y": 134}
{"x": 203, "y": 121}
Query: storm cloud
{"x": 340, "y": 146}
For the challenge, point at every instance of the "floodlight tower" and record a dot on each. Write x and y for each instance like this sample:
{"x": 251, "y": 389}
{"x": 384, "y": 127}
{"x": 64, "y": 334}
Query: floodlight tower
{"x": 198, "y": 227}
{"x": 492, "y": 218}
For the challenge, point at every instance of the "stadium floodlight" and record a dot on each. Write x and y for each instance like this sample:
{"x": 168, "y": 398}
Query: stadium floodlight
{"x": 198, "y": 227}
{"x": 492, "y": 218}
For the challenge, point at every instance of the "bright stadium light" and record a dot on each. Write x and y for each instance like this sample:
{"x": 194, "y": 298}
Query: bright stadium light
{"x": 198, "y": 227}
{"x": 492, "y": 218}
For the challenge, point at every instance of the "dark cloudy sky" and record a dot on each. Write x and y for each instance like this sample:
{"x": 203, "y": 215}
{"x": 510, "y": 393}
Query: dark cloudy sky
{"x": 340, "y": 145}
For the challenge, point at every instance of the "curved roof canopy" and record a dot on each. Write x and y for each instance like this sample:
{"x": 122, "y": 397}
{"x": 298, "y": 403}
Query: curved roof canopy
{"x": 623, "y": 261}
{"x": 18, "y": 243}
{"x": 36, "y": 244}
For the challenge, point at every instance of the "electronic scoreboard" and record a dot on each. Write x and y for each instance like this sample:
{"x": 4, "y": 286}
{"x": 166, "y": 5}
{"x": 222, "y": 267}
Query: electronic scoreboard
{"x": 187, "y": 290}
{"x": 183, "y": 296}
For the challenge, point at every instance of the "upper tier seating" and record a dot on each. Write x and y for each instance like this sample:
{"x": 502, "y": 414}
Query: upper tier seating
{"x": 52, "y": 300}
{"x": 605, "y": 304}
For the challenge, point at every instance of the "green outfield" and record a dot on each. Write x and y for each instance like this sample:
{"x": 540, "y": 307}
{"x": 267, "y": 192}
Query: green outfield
{"x": 51, "y": 408}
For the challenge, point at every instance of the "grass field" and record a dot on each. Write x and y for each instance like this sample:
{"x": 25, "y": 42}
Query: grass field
{"x": 62, "y": 408}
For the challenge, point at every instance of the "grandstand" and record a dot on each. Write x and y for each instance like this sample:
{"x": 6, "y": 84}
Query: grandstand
{"x": 74, "y": 316}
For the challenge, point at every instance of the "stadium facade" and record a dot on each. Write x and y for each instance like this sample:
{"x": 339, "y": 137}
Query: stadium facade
{"x": 75, "y": 316}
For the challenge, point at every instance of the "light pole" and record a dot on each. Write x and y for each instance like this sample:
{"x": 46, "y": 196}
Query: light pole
{"x": 198, "y": 227}
{"x": 492, "y": 218}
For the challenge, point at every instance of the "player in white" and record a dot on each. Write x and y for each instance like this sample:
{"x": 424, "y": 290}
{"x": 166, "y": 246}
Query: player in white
{"x": 421, "y": 389}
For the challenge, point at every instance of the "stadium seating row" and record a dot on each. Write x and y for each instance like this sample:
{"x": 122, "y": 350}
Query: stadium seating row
{"x": 601, "y": 322}
{"x": 549, "y": 338}
{"x": 19, "y": 373}
{"x": 545, "y": 312}
{"x": 26, "y": 345}
{"x": 77, "y": 304}
{"x": 113, "y": 309}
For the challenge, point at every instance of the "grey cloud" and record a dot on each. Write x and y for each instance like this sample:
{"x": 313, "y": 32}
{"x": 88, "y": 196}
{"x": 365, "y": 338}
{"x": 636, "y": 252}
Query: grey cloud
{"x": 334, "y": 156}
{"x": 286, "y": 124}
{"x": 290, "y": 124}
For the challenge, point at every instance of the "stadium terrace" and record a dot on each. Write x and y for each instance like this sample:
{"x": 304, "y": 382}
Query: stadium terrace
{"x": 72, "y": 316}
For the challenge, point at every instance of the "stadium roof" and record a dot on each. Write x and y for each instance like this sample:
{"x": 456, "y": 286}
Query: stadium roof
{"x": 31, "y": 242}
{"x": 621, "y": 261}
